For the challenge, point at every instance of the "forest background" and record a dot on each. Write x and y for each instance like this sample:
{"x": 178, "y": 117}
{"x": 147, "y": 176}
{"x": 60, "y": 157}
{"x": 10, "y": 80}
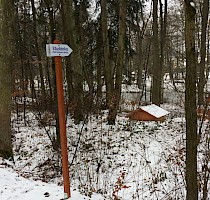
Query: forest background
{"x": 114, "y": 43}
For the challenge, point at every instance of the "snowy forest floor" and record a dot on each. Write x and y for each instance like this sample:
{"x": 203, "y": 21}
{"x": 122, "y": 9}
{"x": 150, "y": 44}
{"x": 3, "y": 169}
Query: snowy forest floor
{"x": 127, "y": 161}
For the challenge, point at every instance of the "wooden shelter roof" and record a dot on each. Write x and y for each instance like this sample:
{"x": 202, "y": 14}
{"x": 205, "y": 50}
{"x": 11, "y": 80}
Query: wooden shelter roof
{"x": 154, "y": 110}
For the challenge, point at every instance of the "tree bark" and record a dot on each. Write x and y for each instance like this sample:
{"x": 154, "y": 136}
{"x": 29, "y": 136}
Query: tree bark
{"x": 43, "y": 92}
{"x": 119, "y": 64}
{"x": 140, "y": 61}
{"x": 163, "y": 22}
{"x": 202, "y": 78}
{"x": 99, "y": 62}
{"x": 75, "y": 60}
{"x": 157, "y": 72}
{"x": 106, "y": 53}
{"x": 140, "y": 35}
{"x": 190, "y": 103}
{"x": 6, "y": 62}
{"x": 52, "y": 28}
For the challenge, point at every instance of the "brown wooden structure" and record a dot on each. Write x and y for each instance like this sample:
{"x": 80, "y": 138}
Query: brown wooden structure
{"x": 148, "y": 113}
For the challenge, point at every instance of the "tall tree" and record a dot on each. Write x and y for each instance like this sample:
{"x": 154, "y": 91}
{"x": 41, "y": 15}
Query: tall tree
{"x": 6, "y": 61}
{"x": 43, "y": 97}
{"x": 202, "y": 65}
{"x": 75, "y": 63}
{"x": 157, "y": 71}
{"x": 98, "y": 55}
{"x": 163, "y": 26}
{"x": 52, "y": 30}
{"x": 116, "y": 94}
{"x": 190, "y": 102}
{"x": 68, "y": 34}
{"x": 106, "y": 51}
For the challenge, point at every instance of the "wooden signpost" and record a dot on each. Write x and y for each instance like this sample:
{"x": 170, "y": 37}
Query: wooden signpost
{"x": 57, "y": 51}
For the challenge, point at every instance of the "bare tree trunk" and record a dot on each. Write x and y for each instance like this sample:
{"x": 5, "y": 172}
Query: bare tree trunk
{"x": 140, "y": 60}
{"x": 53, "y": 37}
{"x": 119, "y": 65}
{"x": 163, "y": 21}
{"x": 202, "y": 65}
{"x": 6, "y": 62}
{"x": 67, "y": 32}
{"x": 190, "y": 103}
{"x": 208, "y": 53}
{"x": 48, "y": 3}
{"x": 75, "y": 58}
{"x": 99, "y": 71}
{"x": 157, "y": 72}
{"x": 140, "y": 49}
{"x": 43, "y": 92}
{"x": 106, "y": 53}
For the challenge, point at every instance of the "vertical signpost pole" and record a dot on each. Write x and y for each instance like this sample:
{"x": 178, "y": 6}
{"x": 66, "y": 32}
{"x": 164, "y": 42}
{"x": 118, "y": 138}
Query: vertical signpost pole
{"x": 62, "y": 124}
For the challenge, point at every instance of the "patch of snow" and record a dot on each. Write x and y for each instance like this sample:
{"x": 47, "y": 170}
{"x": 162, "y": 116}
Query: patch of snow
{"x": 14, "y": 187}
{"x": 192, "y": 4}
{"x": 155, "y": 110}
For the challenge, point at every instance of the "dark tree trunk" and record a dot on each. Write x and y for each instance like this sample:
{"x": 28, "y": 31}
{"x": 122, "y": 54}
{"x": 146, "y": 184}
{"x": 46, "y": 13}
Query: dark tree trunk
{"x": 202, "y": 65}
{"x": 67, "y": 32}
{"x": 106, "y": 53}
{"x": 163, "y": 22}
{"x": 157, "y": 72}
{"x": 140, "y": 60}
{"x": 43, "y": 92}
{"x": 6, "y": 62}
{"x": 113, "y": 108}
{"x": 99, "y": 62}
{"x": 190, "y": 103}
{"x": 71, "y": 34}
{"x": 52, "y": 28}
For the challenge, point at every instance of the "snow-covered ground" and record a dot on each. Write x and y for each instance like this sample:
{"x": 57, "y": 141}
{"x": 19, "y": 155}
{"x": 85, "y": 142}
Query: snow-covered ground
{"x": 15, "y": 187}
{"x": 129, "y": 161}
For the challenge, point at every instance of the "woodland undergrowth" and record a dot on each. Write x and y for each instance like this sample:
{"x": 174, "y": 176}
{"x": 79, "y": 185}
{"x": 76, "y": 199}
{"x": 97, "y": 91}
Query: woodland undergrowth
{"x": 130, "y": 160}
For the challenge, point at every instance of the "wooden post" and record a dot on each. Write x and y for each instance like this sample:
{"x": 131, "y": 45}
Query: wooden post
{"x": 62, "y": 124}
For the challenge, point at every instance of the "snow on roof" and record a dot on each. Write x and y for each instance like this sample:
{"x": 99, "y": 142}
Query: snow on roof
{"x": 155, "y": 110}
